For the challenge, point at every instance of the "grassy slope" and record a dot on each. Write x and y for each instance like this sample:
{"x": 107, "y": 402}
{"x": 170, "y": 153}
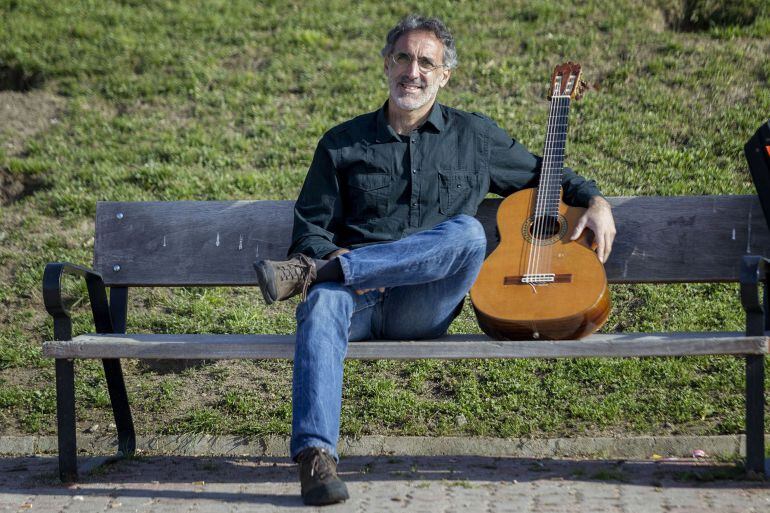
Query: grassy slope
{"x": 226, "y": 99}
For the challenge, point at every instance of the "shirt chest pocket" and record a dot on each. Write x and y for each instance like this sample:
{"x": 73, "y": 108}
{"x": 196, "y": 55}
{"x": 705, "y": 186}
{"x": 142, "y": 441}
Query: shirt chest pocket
{"x": 368, "y": 195}
{"x": 458, "y": 192}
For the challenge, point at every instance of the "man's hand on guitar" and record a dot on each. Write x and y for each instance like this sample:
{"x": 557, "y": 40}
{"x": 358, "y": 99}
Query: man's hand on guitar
{"x": 598, "y": 218}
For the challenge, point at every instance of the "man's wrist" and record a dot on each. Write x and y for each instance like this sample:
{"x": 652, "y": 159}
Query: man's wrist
{"x": 599, "y": 201}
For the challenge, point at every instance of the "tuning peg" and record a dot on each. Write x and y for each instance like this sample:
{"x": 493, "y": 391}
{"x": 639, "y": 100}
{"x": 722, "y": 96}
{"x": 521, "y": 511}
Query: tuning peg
{"x": 581, "y": 88}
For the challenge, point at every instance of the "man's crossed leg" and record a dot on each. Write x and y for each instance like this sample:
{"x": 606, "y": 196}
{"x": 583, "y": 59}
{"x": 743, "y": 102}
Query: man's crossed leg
{"x": 425, "y": 278}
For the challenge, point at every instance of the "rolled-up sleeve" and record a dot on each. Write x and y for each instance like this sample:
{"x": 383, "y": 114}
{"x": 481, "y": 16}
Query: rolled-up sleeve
{"x": 512, "y": 168}
{"x": 318, "y": 208}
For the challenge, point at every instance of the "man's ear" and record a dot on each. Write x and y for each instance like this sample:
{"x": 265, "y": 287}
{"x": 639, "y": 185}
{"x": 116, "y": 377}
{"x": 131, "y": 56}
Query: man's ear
{"x": 385, "y": 66}
{"x": 445, "y": 74}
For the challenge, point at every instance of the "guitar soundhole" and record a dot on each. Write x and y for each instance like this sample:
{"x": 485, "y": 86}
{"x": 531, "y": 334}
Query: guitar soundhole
{"x": 544, "y": 229}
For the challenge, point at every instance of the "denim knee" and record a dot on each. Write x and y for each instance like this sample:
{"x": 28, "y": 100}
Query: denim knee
{"x": 326, "y": 313}
{"x": 327, "y": 300}
{"x": 472, "y": 230}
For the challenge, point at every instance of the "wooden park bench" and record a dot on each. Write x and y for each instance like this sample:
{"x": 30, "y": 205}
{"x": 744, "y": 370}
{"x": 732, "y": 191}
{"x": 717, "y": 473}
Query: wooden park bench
{"x": 207, "y": 243}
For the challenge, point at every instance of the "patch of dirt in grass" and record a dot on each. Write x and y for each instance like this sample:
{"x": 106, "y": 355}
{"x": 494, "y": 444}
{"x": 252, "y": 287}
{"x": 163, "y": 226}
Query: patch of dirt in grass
{"x": 658, "y": 21}
{"x": 249, "y": 59}
{"x": 16, "y": 187}
{"x": 25, "y": 114}
{"x": 27, "y": 377}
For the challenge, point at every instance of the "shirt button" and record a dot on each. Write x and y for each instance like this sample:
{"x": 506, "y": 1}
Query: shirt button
{"x": 414, "y": 204}
{"x": 414, "y": 170}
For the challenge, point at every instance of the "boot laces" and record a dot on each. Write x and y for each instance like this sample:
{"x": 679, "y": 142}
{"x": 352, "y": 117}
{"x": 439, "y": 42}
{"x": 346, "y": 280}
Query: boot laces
{"x": 320, "y": 464}
{"x": 300, "y": 271}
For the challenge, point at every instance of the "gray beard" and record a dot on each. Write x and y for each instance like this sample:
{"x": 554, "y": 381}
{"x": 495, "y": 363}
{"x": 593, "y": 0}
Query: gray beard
{"x": 414, "y": 102}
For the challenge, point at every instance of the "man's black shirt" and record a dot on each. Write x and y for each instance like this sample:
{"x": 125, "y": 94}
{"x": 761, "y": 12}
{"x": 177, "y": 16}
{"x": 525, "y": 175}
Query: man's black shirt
{"x": 367, "y": 184}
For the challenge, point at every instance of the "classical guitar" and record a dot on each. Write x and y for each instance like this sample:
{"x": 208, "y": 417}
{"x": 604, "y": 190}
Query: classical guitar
{"x": 537, "y": 284}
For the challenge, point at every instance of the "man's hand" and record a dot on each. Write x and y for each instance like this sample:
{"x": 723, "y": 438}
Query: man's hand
{"x": 598, "y": 218}
{"x": 336, "y": 253}
{"x": 342, "y": 251}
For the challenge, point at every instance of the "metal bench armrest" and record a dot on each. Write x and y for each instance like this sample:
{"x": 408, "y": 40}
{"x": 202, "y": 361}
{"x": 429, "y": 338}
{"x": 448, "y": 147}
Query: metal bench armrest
{"x": 54, "y": 302}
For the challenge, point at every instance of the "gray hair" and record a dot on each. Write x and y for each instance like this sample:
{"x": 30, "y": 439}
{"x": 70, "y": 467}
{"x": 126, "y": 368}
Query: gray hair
{"x": 412, "y": 22}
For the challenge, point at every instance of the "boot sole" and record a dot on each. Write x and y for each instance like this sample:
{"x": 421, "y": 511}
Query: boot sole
{"x": 327, "y": 494}
{"x": 266, "y": 280}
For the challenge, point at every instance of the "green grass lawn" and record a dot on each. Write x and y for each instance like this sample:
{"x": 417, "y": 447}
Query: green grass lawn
{"x": 165, "y": 100}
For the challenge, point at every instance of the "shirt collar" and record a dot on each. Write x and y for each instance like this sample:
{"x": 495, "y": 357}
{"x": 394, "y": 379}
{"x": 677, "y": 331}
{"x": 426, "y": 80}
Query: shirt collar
{"x": 385, "y": 132}
{"x": 436, "y": 117}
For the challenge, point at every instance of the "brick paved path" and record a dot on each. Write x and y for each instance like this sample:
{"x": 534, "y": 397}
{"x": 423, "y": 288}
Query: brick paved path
{"x": 396, "y": 483}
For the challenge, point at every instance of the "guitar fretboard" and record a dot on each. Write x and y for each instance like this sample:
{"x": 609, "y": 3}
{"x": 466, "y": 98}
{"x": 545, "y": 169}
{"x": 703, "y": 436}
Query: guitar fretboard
{"x": 549, "y": 189}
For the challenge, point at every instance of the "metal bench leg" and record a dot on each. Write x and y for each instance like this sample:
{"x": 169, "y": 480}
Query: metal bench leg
{"x": 755, "y": 413}
{"x": 65, "y": 417}
{"x": 754, "y": 270}
{"x": 121, "y": 410}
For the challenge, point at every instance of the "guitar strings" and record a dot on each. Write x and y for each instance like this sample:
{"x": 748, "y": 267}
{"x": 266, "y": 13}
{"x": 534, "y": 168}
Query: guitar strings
{"x": 554, "y": 184}
{"x": 543, "y": 193}
{"x": 538, "y": 225}
{"x": 531, "y": 262}
{"x": 554, "y": 181}
{"x": 533, "y": 266}
{"x": 544, "y": 221}
{"x": 548, "y": 226}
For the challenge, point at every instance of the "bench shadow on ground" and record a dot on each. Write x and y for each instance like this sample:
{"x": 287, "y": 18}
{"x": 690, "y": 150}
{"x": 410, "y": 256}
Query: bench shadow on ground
{"x": 183, "y": 477}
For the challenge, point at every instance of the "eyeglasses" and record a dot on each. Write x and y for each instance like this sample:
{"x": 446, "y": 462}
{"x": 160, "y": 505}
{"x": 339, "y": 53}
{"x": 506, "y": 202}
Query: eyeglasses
{"x": 404, "y": 59}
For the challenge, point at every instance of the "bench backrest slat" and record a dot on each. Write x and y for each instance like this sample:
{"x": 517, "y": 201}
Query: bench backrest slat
{"x": 660, "y": 239}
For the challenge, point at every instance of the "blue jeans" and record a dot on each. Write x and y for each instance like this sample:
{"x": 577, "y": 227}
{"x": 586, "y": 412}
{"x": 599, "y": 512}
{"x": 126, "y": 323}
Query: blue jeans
{"x": 426, "y": 277}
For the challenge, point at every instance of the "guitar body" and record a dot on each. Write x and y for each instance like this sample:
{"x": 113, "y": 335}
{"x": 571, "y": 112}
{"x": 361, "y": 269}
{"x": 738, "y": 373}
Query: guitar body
{"x": 575, "y": 304}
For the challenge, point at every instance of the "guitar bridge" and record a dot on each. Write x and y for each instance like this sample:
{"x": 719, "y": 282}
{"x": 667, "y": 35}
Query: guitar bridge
{"x": 537, "y": 279}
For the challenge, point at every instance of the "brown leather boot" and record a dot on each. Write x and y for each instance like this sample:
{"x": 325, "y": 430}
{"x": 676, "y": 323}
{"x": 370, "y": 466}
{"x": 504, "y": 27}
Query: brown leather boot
{"x": 282, "y": 279}
{"x": 318, "y": 476}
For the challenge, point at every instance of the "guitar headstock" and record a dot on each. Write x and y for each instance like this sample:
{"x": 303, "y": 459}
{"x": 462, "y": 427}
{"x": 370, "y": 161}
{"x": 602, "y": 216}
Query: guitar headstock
{"x": 567, "y": 81}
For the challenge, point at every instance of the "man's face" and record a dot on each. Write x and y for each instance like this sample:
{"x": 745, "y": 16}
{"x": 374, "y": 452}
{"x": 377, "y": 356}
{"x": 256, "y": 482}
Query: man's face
{"x": 410, "y": 87}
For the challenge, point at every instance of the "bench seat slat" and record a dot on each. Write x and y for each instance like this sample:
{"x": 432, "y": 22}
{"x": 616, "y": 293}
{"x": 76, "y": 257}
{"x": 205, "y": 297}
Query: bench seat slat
{"x": 150, "y": 346}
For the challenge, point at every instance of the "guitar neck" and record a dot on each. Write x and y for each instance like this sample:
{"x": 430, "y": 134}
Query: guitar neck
{"x": 549, "y": 188}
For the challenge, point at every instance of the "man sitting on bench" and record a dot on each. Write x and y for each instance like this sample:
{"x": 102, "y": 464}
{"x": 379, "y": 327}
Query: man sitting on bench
{"x": 385, "y": 234}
